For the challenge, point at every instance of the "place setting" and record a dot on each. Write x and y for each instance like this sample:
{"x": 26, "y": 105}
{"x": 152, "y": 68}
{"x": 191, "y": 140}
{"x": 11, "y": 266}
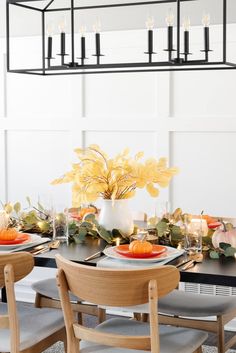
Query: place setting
{"x": 12, "y": 240}
{"x": 139, "y": 252}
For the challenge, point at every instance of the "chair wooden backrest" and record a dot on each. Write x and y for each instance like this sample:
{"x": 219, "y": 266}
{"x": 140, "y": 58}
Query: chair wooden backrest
{"x": 22, "y": 263}
{"x": 13, "y": 267}
{"x": 113, "y": 287}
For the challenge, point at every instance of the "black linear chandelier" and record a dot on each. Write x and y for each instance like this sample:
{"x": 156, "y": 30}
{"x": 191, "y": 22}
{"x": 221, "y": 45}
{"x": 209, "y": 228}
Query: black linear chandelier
{"x": 70, "y": 63}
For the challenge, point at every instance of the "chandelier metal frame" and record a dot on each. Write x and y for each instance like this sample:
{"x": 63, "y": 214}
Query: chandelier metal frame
{"x": 178, "y": 62}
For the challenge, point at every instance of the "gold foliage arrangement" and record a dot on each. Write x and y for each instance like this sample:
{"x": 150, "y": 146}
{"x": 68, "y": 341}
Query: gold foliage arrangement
{"x": 98, "y": 176}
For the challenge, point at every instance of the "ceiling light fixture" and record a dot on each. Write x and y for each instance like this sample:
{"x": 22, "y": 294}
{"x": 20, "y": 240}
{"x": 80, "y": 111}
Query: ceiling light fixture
{"x": 69, "y": 62}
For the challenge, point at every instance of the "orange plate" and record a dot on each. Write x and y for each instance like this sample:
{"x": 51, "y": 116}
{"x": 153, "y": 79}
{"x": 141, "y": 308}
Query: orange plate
{"x": 214, "y": 225}
{"x": 124, "y": 250}
{"x": 21, "y": 238}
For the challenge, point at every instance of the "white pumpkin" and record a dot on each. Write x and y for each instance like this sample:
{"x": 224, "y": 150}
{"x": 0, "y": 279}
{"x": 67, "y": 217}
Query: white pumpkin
{"x": 4, "y": 220}
{"x": 224, "y": 236}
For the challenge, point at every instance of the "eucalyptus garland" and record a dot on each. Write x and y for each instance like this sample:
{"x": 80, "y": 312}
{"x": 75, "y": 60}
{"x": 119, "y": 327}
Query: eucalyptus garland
{"x": 169, "y": 229}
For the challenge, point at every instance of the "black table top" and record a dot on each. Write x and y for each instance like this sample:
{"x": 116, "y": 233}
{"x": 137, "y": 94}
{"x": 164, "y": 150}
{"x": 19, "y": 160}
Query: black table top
{"x": 215, "y": 272}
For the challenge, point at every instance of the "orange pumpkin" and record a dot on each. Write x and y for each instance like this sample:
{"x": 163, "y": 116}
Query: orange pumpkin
{"x": 86, "y": 210}
{"x": 140, "y": 247}
{"x": 209, "y": 219}
{"x": 79, "y": 214}
{"x": 8, "y": 234}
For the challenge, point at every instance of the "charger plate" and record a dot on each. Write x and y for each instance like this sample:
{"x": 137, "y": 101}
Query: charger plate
{"x": 168, "y": 254}
{"x": 31, "y": 240}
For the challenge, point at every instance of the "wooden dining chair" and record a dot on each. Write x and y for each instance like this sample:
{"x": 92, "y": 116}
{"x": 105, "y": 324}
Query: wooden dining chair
{"x": 191, "y": 310}
{"x": 121, "y": 288}
{"x": 47, "y": 295}
{"x": 23, "y": 328}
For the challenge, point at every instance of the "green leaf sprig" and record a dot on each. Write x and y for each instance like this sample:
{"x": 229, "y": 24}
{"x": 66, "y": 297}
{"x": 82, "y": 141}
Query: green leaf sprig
{"x": 225, "y": 249}
{"x": 37, "y": 219}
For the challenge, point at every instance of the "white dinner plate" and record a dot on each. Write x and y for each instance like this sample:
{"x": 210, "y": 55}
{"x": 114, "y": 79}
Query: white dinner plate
{"x": 168, "y": 254}
{"x": 34, "y": 239}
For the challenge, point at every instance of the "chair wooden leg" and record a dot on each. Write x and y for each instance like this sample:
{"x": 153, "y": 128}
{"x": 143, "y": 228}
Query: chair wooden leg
{"x": 37, "y": 300}
{"x": 220, "y": 335}
{"x": 137, "y": 316}
{"x": 199, "y": 350}
{"x": 101, "y": 315}
{"x": 80, "y": 318}
{"x": 145, "y": 317}
{"x": 73, "y": 346}
{"x": 65, "y": 345}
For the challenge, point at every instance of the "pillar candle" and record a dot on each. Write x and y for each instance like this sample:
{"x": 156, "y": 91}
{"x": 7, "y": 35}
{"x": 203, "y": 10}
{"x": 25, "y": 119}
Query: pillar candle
{"x": 170, "y": 23}
{"x": 63, "y": 43}
{"x": 49, "y": 47}
{"x": 206, "y": 23}
{"x": 206, "y": 39}
{"x": 83, "y": 48}
{"x": 186, "y": 42}
{"x": 97, "y": 39}
{"x": 150, "y": 25}
{"x": 186, "y": 25}
{"x": 170, "y": 38}
{"x": 150, "y": 41}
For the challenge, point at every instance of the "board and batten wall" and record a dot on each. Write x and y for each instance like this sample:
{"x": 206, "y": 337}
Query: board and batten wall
{"x": 189, "y": 117}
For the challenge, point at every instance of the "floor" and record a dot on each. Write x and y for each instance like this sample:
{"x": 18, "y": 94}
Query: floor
{"x": 211, "y": 341}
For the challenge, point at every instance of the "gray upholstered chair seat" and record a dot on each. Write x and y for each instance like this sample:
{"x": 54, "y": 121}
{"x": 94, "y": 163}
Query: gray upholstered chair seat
{"x": 181, "y": 303}
{"x": 48, "y": 288}
{"x": 35, "y": 324}
{"x": 172, "y": 339}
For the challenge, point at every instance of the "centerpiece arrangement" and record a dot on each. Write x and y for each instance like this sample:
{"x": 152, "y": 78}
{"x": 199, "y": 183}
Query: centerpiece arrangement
{"x": 114, "y": 180}
{"x": 96, "y": 176}
{"x": 219, "y": 237}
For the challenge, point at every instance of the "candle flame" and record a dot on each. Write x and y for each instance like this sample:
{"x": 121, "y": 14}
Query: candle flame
{"x": 50, "y": 28}
{"x": 206, "y": 19}
{"x": 170, "y": 18}
{"x": 117, "y": 241}
{"x": 186, "y": 23}
{"x": 82, "y": 30}
{"x": 97, "y": 26}
{"x": 40, "y": 224}
{"x": 62, "y": 24}
{"x": 150, "y": 22}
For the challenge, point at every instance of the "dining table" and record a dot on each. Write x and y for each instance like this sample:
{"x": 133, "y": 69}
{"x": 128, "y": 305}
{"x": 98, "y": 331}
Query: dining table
{"x": 220, "y": 271}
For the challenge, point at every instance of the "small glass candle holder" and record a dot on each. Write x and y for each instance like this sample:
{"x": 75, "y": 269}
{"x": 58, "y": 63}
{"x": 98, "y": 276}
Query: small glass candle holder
{"x": 194, "y": 232}
{"x": 60, "y": 224}
{"x": 145, "y": 235}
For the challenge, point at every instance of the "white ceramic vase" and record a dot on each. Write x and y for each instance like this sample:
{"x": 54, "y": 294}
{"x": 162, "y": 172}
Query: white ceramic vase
{"x": 115, "y": 214}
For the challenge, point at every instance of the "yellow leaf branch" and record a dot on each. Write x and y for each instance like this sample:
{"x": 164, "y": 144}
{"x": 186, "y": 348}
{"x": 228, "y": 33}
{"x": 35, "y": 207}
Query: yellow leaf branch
{"x": 97, "y": 176}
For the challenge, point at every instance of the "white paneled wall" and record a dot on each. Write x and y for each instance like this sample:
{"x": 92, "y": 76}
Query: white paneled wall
{"x": 187, "y": 116}
{"x": 206, "y": 160}
{"x": 190, "y": 117}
